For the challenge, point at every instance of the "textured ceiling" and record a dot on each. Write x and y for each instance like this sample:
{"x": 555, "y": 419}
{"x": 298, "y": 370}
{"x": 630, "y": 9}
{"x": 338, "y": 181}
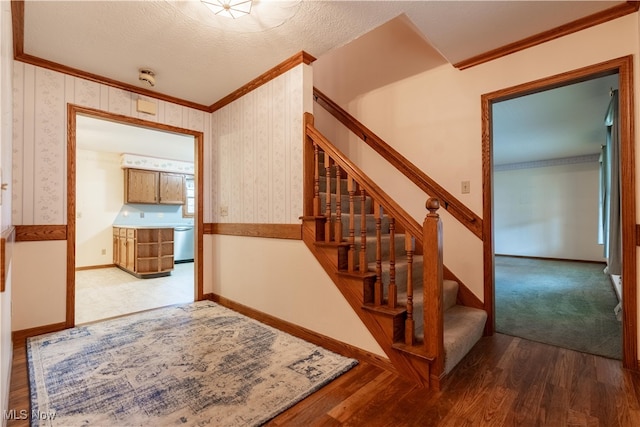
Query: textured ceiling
{"x": 201, "y": 58}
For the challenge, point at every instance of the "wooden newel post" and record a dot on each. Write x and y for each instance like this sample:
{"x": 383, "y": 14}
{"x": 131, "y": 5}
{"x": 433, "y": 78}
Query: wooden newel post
{"x": 432, "y": 276}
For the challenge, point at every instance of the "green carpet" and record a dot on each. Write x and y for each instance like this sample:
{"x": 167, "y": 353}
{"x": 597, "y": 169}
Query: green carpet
{"x": 562, "y": 303}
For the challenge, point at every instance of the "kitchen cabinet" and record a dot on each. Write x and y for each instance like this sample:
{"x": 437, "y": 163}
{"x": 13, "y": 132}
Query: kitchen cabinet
{"x": 140, "y": 186}
{"x": 143, "y": 251}
{"x": 153, "y": 187}
{"x": 172, "y": 188}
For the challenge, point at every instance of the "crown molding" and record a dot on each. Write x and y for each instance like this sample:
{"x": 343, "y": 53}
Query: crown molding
{"x": 297, "y": 59}
{"x": 563, "y": 30}
{"x": 17, "y": 18}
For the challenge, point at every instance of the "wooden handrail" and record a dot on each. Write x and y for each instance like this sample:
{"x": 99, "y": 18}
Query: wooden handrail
{"x": 427, "y": 237}
{"x": 390, "y": 206}
{"x": 452, "y": 205}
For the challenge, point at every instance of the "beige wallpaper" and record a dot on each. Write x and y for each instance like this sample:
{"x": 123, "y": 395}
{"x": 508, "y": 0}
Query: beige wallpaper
{"x": 257, "y": 153}
{"x": 40, "y": 98}
{"x": 252, "y": 153}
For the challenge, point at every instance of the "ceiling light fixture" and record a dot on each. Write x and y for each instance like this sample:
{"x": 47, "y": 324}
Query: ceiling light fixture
{"x": 229, "y": 8}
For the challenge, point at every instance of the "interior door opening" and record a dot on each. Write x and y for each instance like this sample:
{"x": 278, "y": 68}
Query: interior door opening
{"x": 132, "y": 255}
{"x": 619, "y": 69}
{"x": 551, "y": 281}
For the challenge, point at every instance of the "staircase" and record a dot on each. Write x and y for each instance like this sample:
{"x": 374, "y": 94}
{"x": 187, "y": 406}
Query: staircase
{"x": 388, "y": 267}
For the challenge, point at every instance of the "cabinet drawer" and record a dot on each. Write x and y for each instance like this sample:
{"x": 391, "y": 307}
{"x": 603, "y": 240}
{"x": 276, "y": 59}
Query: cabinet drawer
{"x": 123, "y": 232}
{"x": 131, "y": 232}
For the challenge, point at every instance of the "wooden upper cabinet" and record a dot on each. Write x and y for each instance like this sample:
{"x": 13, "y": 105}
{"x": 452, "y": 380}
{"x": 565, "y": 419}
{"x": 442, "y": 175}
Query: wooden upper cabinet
{"x": 153, "y": 187}
{"x": 140, "y": 186}
{"x": 171, "y": 188}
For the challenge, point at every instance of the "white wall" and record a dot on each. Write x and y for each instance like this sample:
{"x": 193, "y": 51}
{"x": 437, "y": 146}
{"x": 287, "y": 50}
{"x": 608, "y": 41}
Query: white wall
{"x": 434, "y": 119}
{"x": 99, "y": 197}
{"x": 549, "y": 212}
{"x": 6, "y": 144}
{"x": 40, "y": 291}
{"x": 282, "y": 278}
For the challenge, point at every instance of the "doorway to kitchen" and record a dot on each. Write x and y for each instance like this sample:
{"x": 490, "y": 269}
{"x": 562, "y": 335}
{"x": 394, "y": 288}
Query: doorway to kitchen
{"x": 156, "y": 262}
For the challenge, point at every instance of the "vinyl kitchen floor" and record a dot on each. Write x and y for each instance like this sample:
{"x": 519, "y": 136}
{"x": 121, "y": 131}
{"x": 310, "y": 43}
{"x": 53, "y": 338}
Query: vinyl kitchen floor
{"x": 109, "y": 292}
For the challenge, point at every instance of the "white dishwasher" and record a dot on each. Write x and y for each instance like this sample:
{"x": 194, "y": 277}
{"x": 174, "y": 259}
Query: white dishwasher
{"x": 183, "y": 243}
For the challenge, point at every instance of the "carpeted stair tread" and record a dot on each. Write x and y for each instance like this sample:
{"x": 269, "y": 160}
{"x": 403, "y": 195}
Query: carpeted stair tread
{"x": 344, "y": 185}
{"x": 370, "y": 224}
{"x": 463, "y": 327}
{"x": 449, "y": 297}
{"x": 344, "y": 204}
{"x": 401, "y": 273}
{"x": 449, "y": 293}
{"x": 385, "y": 242}
{"x": 449, "y": 290}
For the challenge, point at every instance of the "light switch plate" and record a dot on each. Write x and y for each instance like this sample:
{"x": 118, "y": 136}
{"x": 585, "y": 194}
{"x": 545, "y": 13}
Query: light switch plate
{"x": 466, "y": 187}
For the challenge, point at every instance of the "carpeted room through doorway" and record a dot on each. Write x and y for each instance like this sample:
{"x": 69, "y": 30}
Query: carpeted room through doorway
{"x": 567, "y": 304}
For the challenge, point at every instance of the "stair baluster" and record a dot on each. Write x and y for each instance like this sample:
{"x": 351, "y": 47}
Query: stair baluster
{"x": 352, "y": 221}
{"x": 327, "y": 205}
{"x": 404, "y": 326}
{"x": 363, "y": 231}
{"x": 338, "y": 237}
{"x": 316, "y": 180}
{"x": 378, "y": 290}
{"x": 409, "y": 330}
{"x": 392, "y": 300}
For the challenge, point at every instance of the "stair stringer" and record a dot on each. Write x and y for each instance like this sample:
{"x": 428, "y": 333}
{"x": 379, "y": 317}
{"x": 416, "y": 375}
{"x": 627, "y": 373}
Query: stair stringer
{"x": 385, "y": 325}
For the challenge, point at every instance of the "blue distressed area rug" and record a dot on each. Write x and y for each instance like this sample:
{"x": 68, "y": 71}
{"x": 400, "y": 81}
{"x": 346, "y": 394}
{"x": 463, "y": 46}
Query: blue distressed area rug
{"x": 198, "y": 364}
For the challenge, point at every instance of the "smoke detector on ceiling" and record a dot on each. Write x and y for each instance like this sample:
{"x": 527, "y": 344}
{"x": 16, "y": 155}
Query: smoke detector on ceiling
{"x": 147, "y": 76}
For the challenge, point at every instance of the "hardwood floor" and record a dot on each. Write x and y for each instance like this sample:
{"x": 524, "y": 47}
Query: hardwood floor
{"x": 503, "y": 381}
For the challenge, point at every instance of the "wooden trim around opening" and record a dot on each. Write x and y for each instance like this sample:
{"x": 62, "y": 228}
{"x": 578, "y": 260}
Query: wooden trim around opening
{"x": 7, "y": 239}
{"x": 271, "y": 231}
{"x": 561, "y": 31}
{"x": 624, "y": 68}
{"x": 305, "y": 334}
{"x": 72, "y": 112}
{"x": 34, "y": 233}
{"x": 283, "y": 67}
